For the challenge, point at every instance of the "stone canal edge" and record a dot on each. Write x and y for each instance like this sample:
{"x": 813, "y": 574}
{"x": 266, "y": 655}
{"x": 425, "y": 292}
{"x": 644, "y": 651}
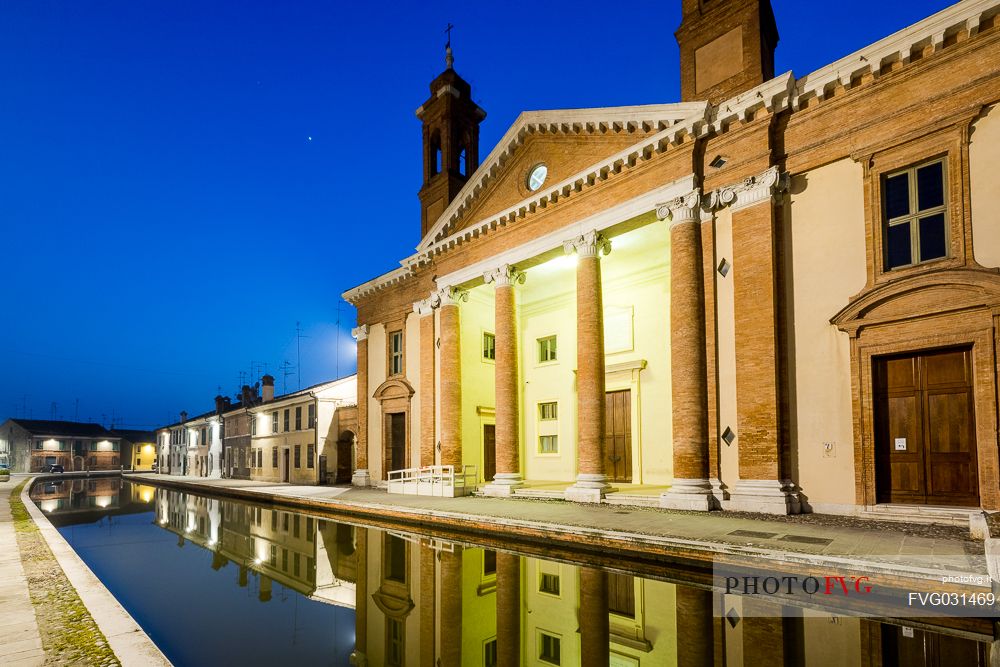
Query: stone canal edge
{"x": 103, "y": 633}
{"x": 646, "y": 553}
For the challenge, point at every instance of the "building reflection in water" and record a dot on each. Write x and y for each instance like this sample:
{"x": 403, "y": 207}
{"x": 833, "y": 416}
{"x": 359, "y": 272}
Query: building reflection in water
{"x": 426, "y": 602}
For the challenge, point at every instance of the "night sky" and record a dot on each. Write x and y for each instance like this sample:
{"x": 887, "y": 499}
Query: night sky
{"x": 181, "y": 182}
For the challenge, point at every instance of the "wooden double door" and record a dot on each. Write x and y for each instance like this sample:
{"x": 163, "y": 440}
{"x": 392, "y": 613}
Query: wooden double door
{"x": 925, "y": 446}
{"x": 618, "y": 436}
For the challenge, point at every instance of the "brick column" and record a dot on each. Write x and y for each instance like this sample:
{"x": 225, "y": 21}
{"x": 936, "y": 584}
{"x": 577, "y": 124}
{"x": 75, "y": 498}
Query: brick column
{"x": 451, "y": 607}
{"x": 689, "y": 391}
{"x": 761, "y": 487}
{"x": 695, "y": 625}
{"x": 591, "y": 482}
{"x": 425, "y": 310}
{"x": 595, "y": 631}
{"x": 361, "y": 476}
{"x": 508, "y": 610}
{"x": 506, "y": 385}
{"x": 359, "y": 656}
{"x": 427, "y": 605}
{"x": 451, "y": 376}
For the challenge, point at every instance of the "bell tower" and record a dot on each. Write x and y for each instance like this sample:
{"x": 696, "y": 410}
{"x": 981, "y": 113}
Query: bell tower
{"x": 727, "y": 47}
{"x": 451, "y": 141}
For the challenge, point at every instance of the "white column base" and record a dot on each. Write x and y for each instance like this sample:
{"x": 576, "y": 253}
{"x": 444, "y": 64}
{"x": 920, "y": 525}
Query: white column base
{"x": 766, "y": 496}
{"x": 361, "y": 478}
{"x": 689, "y": 494}
{"x": 589, "y": 488}
{"x": 358, "y": 659}
{"x": 503, "y": 485}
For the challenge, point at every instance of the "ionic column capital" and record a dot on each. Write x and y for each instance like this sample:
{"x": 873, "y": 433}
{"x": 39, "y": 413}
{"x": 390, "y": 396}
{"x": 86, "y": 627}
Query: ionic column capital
{"x": 448, "y": 296}
{"x": 360, "y": 333}
{"x": 751, "y": 190}
{"x": 681, "y": 209}
{"x": 504, "y": 276}
{"x": 425, "y": 306}
{"x": 588, "y": 245}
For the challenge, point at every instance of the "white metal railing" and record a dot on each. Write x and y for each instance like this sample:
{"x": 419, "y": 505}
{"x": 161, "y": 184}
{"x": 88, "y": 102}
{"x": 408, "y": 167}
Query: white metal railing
{"x": 433, "y": 480}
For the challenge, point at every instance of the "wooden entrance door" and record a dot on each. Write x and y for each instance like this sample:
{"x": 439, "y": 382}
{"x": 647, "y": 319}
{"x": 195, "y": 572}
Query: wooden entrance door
{"x": 618, "y": 435}
{"x": 395, "y": 445}
{"x": 925, "y": 450}
{"x": 285, "y": 473}
{"x": 910, "y": 646}
{"x": 489, "y": 452}
{"x": 345, "y": 460}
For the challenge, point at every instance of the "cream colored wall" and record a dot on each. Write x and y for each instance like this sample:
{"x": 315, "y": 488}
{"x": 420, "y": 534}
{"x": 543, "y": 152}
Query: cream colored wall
{"x": 655, "y": 621}
{"x": 726, "y": 349}
{"x": 636, "y": 276}
{"x": 479, "y": 609}
{"x": 478, "y": 379}
{"x": 984, "y": 165}
{"x": 548, "y": 307}
{"x": 827, "y": 267}
{"x": 284, "y": 440}
{"x": 376, "y": 376}
{"x": 558, "y": 616}
{"x": 411, "y": 362}
{"x": 830, "y": 641}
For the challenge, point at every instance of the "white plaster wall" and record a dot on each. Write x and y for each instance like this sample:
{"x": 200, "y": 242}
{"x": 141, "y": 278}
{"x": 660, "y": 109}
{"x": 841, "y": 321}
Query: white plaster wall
{"x": 726, "y": 349}
{"x": 827, "y": 267}
{"x": 984, "y": 167}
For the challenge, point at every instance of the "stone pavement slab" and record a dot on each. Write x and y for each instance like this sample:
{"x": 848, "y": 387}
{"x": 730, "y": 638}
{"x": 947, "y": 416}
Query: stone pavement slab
{"x": 21, "y": 642}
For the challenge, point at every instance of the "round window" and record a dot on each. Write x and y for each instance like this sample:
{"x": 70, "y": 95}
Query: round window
{"x": 536, "y": 177}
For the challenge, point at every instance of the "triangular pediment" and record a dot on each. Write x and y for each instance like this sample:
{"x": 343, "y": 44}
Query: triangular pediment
{"x": 568, "y": 142}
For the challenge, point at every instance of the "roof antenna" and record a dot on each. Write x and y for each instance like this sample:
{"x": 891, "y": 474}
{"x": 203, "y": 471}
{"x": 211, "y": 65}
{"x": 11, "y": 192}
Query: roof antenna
{"x": 449, "y": 59}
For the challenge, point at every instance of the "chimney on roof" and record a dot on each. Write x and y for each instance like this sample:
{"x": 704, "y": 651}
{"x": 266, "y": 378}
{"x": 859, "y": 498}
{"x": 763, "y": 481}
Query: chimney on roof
{"x": 184, "y": 416}
{"x": 268, "y": 388}
{"x": 220, "y": 404}
{"x": 247, "y": 395}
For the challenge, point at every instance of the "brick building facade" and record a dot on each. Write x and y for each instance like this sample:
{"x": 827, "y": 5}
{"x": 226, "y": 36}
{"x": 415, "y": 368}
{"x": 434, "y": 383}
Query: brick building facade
{"x": 778, "y": 294}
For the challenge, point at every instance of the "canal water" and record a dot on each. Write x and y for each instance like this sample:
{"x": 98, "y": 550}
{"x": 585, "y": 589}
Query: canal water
{"x": 219, "y": 582}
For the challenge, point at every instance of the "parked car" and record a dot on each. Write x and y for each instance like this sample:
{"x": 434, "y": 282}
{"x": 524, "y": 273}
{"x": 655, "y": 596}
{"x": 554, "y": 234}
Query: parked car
{"x": 52, "y": 467}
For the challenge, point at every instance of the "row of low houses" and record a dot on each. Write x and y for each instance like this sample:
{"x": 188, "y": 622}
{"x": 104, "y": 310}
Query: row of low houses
{"x": 29, "y": 445}
{"x": 302, "y": 437}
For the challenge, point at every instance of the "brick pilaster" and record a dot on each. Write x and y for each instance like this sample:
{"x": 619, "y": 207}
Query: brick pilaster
{"x": 427, "y": 606}
{"x": 451, "y": 377}
{"x": 508, "y": 610}
{"x": 695, "y": 624}
{"x": 361, "y": 475}
{"x": 689, "y": 393}
{"x": 591, "y": 481}
{"x": 451, "y": 607}
{"x": 427, "y": 378}
{"x": 359, "y": 657}
{"x": 759, "y": 439}
{"x": 508, "y": 472}
{"x": 595, "y": 631}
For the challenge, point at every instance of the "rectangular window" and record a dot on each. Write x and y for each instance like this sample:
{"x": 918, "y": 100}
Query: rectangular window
{"x": 38, "y": 444}
{"x": 915, "y": 211}
{"x": 548, "y": 444}
{"x": 298, "y": 418}
{"x": 489, "y": 346}
{"x": 204, "y": 436}
{"x": 298, "y": 456}
{"x": 547, "y": 411}
{"x": 396, "y": 353}
{"x": 288, "y": 414}
{"x": 489, "y": 562}
{"x": 274, "y": 556}
{"x": 274, "y": 457}
{"x": 274, "y": 422}
{"x": 312, "y": 416}
{"x": 393, "y": 642}
{"x": 253, "y": 425}
{"x": 546, "y": 349}
{"x": 621, "y": 594}
{"x": 93, "y": 446}
{"x": 310, "y": 455}
{"x": 394, "y": 559}
{"x": 490, "y": 653}
{"x": 549, "y": 649}
{"x": 548, "y": 583}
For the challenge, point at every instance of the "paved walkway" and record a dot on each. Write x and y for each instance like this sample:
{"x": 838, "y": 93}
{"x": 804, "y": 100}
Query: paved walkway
{"x": 920, "y": 549}
{"x": 20, "y": 643}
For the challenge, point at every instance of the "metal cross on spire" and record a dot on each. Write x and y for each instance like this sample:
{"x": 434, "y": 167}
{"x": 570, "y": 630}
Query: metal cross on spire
{"x": 449, "y": 59}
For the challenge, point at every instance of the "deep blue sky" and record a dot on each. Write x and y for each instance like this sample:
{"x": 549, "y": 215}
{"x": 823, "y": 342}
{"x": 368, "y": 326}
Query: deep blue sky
{"x": 166, "y": 219}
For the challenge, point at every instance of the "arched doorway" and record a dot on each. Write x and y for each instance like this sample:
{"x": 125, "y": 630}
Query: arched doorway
{"x": 345, "y": 456}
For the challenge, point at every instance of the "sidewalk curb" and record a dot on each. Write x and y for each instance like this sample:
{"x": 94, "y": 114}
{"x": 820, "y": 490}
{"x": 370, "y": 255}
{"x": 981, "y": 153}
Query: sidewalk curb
{"x": 130, "y": 643}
